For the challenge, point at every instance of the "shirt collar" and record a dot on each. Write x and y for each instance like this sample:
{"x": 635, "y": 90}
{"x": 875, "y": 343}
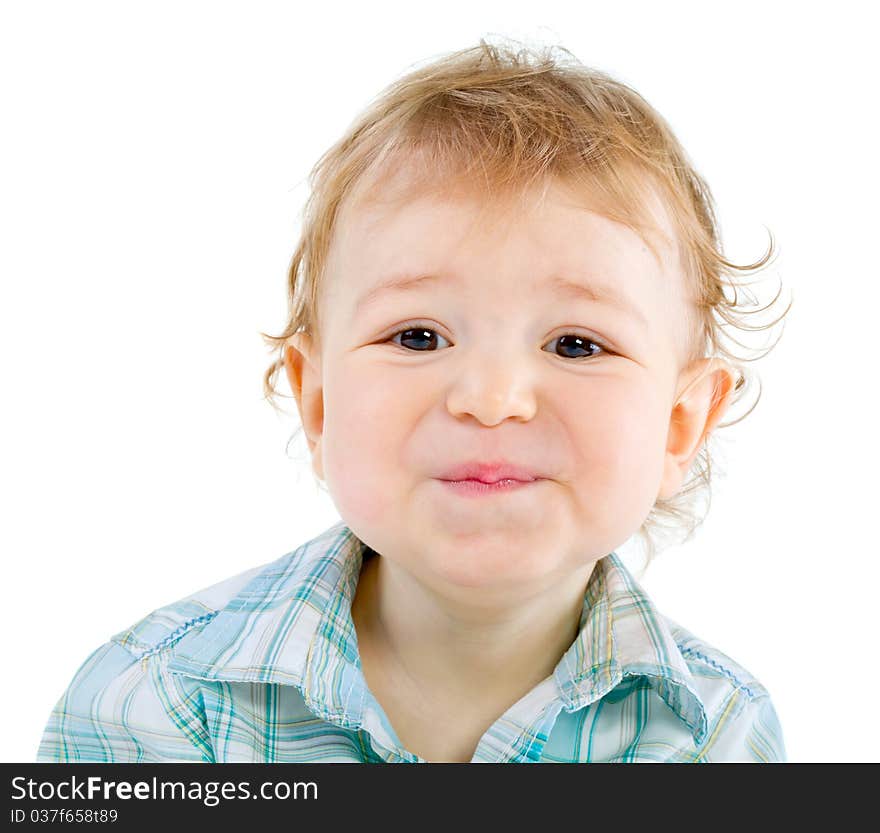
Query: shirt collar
{"x": 291, "y": 625}
{"x": 621, "y": 635}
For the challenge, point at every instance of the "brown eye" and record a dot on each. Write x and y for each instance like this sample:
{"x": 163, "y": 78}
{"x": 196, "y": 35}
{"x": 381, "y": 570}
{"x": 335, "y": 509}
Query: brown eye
{"x": 417, "y": 339}
{"x": 572, "y": 346}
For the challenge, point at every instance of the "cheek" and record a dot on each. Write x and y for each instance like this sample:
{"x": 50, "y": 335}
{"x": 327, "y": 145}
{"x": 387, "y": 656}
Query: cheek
{"x": 621, "y": 450}
{"x": 636, "y": 448}
{"x": 360, "y": 444}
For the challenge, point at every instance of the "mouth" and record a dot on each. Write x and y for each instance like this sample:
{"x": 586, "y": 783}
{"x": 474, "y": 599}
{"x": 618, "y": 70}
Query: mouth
{"x": 475, "y": 487}
{"x": 491, "y": 472}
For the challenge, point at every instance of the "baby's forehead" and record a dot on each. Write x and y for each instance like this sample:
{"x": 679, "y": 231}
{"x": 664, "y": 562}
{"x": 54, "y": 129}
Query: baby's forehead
{"x": 382, "y": 195}
{"x": 519, "y": 248}
{"x": 386, "y": 222}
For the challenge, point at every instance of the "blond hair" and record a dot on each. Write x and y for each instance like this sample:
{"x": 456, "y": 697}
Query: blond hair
{"x": 495, "y": 120}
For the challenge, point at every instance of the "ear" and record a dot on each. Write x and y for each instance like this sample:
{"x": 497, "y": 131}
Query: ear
{"x": 303, "y": 366}
{"x": 705, "y": 392}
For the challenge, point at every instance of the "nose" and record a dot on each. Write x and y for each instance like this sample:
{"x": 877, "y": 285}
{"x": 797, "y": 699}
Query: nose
{"x": 493, "y": 388}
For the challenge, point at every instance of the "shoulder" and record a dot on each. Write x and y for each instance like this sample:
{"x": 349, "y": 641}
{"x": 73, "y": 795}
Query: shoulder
{"x": 125, "y": 703}
{"x": 163, "y": 627}
{"x": 742, "y": 721}
{"x": 712, "y": 669}
{"x": 123, "y": 706}
{"x": 302, "y": 574}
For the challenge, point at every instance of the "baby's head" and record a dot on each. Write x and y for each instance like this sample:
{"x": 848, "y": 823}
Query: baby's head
{"x": 509, "y": 259}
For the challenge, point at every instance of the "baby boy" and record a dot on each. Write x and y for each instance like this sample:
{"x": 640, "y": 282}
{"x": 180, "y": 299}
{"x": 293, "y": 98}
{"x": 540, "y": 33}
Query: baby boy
{"x": 503, "y": 348}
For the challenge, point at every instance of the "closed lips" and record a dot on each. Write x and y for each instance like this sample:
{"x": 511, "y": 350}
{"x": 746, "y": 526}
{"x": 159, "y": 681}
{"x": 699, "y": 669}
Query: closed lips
{"x": 490, "y": 472}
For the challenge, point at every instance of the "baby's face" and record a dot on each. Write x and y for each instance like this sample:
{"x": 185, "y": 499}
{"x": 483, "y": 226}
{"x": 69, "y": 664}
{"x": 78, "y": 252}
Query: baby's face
{"x": 497, "y": 356}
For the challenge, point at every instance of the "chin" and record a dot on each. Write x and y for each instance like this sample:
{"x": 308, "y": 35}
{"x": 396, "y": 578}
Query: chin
{"x": 484, "y": 568}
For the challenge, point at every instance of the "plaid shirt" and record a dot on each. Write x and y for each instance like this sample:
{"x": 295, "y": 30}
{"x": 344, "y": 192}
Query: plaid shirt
{"x": 264, "y": 667}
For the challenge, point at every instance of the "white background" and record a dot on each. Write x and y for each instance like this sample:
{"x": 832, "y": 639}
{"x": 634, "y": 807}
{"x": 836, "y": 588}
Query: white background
{"x": 154, "y": 158}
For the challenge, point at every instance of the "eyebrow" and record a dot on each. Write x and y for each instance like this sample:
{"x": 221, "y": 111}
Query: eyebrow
{"x": 564, "y": 287}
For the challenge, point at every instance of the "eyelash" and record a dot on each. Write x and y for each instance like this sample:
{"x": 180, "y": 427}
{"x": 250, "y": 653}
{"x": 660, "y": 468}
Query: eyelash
{"x": 417, "y": 326}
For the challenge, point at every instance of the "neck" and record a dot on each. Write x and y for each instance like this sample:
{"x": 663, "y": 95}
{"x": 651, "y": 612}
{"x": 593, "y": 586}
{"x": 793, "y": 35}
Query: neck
{"x": 465, "y": 650}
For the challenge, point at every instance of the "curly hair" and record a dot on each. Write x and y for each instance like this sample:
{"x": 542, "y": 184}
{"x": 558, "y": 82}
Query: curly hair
{"x": 495, "y": 119}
